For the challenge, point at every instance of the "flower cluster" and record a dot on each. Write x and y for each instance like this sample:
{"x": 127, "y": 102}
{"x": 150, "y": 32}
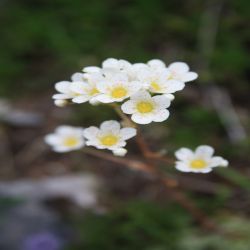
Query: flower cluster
{"x": 109, "y": 136}
{"x": 145, "y": 88}
{"x": 144, "y": 91}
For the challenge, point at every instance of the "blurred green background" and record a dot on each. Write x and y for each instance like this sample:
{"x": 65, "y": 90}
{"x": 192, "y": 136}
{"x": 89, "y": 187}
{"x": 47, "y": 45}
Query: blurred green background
{"x": 46, "y": 41}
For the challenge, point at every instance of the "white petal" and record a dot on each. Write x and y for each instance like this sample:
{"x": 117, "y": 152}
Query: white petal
{"x": 52, "y": 139}
{"x": 62, "y": 149}
{"x": 204, "y": 151}
{"x": 91, "y": 132}
{"x": 111, "y": 125}
{"x": 78, "y": 77}
{"x": 128, "y": 107}
{"x": 61, "y": 96}
{"x": 110, "y": 63}
{"x": 104, "y": 98}
{"x": 119, "y": 77}
{"x": 161, "y": 115}
{"x": 169, "y": 96}
{"x": 120, "y": 152}
{"x": 184, "y": 154}
{"x": 156, "y": 63}
{"x": 120, "y": 144}
{"x": 173, "y": 86}
{"x": 137, "y": 67}
{"x": 104, "y": 86}
{"x": 127, "y": 133}
{"x": 63, "y": 87}
{"x": 91, "y": 69}
{"x": 181, "y": 166}
{"x": 141, "y": 95}
{"x": 68, "y": 130}
{"x": 134, "y": 87}
{"x": 218, "y": 161}
{"x": 93, "y": 101}
{"x": 203, "y": 171}
{"x": 189, "y": 76}
{"x": 79, "y": 87}
{"x": 161, "y": 101}
{"x": 60, "y": 103}
{"x": 141, "y": 119}
{"x": 179, "y": 67}
{"x": 80, "y": 99}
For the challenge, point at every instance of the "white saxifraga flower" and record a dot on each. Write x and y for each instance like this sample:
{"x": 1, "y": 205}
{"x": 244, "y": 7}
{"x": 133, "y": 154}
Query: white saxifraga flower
{"x": 157, "y": 81}
{"x": 199, "y": 161}
{"x": 180, "y": 71}
{"x": 109, "y": 136}
{"x": 116, "y": 88}
{"x": 146, "y": 109}
{"x": 65, "y": 139}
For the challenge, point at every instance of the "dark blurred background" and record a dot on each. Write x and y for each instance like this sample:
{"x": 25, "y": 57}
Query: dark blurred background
{"x": 72, "y": 201}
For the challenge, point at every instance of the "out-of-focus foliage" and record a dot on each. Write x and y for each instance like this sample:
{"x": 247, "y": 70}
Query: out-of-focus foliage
{"x": 43, "y": 41}
{"x": 147, "y": 226}
{"x": 137, "y": 225}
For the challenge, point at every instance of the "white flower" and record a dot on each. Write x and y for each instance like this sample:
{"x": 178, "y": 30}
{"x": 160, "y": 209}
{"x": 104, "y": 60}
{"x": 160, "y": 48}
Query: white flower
{"x": 180, "y": 71}
{"x": 110, "y": 136}
{"x": 66, "y": 138}
{"x": 116, "y": 88}
{"x": 157, "y": 81}
{"x": 199, "y": 161}
{"x": 145, "y": 109}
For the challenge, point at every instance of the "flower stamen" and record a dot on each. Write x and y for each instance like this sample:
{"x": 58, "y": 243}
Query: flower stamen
{"x": 198, "y": 164}
{"x": 109, "y": 140}
{"x": 145, "y": 107}
{"x": 119, "y": 92}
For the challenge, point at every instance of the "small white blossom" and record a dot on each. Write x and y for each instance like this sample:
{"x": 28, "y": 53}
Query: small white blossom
{"x": 180, "y": 71}
{"x": 199, "y": 161}
{"x": 157, "y": 81}
{"x": 146, "y": 109}
{"x": 109, "y": 136}
{"x": 65, "y": 139}
{"x": 116, "y": 88}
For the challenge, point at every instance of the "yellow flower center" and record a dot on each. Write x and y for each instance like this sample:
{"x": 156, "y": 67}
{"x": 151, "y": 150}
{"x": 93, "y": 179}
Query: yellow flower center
{"x": 109, "y": 140}
{"x": 155, "y": 86}
{"x": 93, "y": 91}
{"x": 198, "y": 164}
{"x": 70, "y": 141}
{"x": 119, "y": 92}
{"x": 145, "y": 107}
